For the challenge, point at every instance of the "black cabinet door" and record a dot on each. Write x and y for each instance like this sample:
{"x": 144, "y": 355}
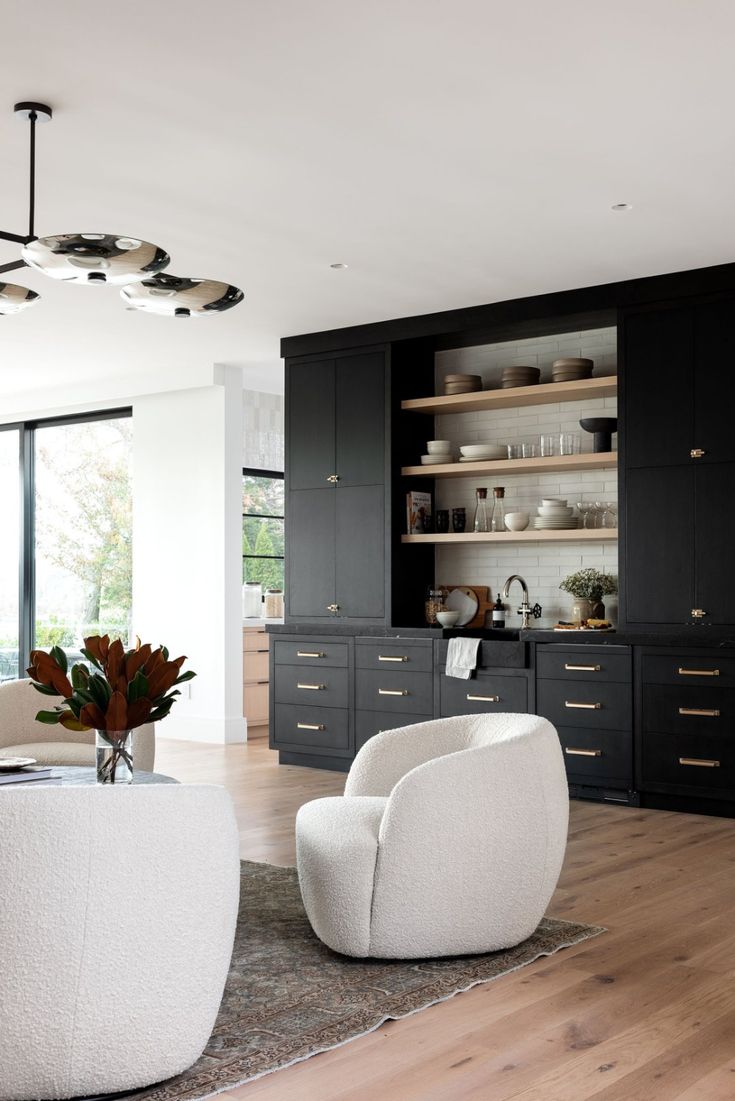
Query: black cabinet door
{"x": 659, "y": 545}
{"x": 714, "y": 501}
{"x": 359, "y": 552}
{"x": 310, "y": 520}
{"x": 310, "y": 447}
{"x": 714, "y": 381}
{"x": 360, "y": 419}
{"x": 658, "y": 359}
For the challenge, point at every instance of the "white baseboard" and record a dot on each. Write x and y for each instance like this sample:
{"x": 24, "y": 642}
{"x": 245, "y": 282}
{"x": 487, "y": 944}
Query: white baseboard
{"x": 218, "y": 731}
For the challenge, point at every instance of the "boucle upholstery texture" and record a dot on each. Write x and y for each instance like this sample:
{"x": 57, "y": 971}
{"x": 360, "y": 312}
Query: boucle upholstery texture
{"x": 22, "y": 736}
{"x": 117, "y": 918}
{"x": 449, "y": 839}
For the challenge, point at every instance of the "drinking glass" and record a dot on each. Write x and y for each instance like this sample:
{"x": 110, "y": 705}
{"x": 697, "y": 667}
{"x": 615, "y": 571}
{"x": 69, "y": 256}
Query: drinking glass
{"x": 609, "y": 518}
{"x": 530, "y": 449}
{"x": 515, "y": 451}
{"x": 548, "y": 445}
{"x": 569, "y": 443}
{"x": 583, "y": 508}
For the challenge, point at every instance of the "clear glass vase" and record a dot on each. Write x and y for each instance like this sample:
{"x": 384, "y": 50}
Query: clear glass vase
{"x": 114, "y": 751}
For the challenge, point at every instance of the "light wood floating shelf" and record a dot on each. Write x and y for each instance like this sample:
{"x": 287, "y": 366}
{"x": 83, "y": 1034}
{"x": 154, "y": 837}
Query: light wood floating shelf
{"x": 573, "y": 535}
{"x": 546, "y": 393}
{"x": 606, "y": 460}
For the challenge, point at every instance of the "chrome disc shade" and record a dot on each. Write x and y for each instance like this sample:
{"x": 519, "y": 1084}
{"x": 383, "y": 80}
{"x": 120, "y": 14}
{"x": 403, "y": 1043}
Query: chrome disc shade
{"x": 13, "y": 298}
{"x": 95, "y": 257}
{"x": 178, "y": 297}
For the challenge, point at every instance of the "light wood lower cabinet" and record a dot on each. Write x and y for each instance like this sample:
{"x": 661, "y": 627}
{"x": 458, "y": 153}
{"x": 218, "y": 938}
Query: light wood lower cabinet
{"x": 255, "y": 680}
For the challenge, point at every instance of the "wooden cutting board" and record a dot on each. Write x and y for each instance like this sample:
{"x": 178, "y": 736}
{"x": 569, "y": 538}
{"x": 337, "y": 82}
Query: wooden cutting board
{"x": 484, "y": 604}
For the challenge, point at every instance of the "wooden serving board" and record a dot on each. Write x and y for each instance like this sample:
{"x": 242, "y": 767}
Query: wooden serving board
{"x": 484, "y": 604}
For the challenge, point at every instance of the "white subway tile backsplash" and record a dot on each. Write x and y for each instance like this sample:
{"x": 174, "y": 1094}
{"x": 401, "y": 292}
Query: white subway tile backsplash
{"x": 543, "y": 565}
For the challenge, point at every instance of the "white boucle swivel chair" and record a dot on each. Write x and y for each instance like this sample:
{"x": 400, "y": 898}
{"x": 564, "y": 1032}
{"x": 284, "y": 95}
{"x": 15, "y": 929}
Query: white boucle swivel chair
{"x": 22, "y": 736}
{"x": 117, "y": 917}
{"x": 449, "y": 839}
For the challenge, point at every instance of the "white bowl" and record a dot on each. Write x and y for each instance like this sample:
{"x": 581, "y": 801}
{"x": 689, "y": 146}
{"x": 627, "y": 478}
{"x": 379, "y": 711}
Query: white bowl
{"x": 549, "y": 502}
{"x": 555, "y": 513}
{"x": 447, "y": 619}
{"x": 516, "y": 521}
{"x": 484, "y": 451}
{"x": 439, "y": 447}
{"x": 434, "y": 460}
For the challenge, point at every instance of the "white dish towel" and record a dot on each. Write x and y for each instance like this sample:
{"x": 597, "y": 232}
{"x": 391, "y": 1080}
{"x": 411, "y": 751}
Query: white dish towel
{"x": 462, "y": 657}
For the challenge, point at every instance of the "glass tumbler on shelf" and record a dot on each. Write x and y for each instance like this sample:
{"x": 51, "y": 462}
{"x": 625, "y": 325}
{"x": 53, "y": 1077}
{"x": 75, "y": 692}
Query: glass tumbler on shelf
{"x": 530, "y": 449}
{"x": 481, "y": 521}
{"x": 609, "y": 517}
{"x": 548, "y": 445}
{"x": 569, "y": 443}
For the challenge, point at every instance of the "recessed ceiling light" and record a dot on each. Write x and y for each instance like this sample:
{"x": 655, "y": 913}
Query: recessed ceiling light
{"x": 339, "y": 267}
{"x": 621, "y": 206}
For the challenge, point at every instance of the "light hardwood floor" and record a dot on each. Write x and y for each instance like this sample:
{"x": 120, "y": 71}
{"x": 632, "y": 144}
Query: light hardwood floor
{"x": 645, "y": 1012}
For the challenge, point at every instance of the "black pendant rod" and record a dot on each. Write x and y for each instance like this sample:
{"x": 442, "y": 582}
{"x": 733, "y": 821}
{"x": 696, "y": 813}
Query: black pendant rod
{"x": 32, "y": 196}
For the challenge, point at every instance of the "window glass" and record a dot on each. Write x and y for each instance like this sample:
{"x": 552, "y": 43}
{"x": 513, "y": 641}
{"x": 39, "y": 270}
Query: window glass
{"x": 262, "y": 529}
{"x": 9, "y": 553}
{"x": 83, "y": 531}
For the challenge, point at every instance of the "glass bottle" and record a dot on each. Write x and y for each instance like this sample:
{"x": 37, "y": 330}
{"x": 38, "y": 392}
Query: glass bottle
{"x": 481, "y": 522}
{"x": 497, "y": 520}
{"x": 434, "y": 603}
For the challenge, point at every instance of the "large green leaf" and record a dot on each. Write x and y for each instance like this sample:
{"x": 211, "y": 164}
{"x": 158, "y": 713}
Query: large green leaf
{"x": 90, "y": 657}
{"x": 99, "y": 690}
{"x": 48, "y": 717}
{"x": 60, "y": 658}
{"x": 138, "y": 687}
{"x": 185, "y": 676}
{"x": 79, "y": 676}
{"x": 45, "y": 689}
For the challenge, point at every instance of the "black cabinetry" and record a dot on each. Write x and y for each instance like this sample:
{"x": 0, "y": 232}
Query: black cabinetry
{"x": 336, "y": 487}
{"x": 678, "y": 479}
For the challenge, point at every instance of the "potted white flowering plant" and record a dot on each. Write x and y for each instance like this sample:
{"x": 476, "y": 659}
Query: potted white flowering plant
{"x": 588, "y": 587}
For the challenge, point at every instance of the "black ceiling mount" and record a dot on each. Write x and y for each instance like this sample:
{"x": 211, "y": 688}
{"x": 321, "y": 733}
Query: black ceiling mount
{"x": 30, "y": 112}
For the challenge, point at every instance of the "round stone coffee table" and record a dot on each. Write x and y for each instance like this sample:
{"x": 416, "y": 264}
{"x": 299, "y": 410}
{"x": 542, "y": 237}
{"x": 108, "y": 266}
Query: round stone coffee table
{"x": 76, "y": 775}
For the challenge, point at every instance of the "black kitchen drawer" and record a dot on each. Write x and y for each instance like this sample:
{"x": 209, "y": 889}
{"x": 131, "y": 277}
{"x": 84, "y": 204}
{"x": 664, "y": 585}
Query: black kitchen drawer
{"x": 685, "y": 709}
{"x": 398, "y": 690}
{"x": 312, "y": 651}
{"x": 376, "y": 653}
{"x": 312, "y": 728}
{"x": 689, "y": 669}
{"x": 321, "y": 687}
{"x": 599, "y": 706}
{"x": 699, "y": 764}
{"x": 585, "y": 664}
{"x": 482, "y": 695}
{"x": 370, "y": 723}
{"x": 597, "y": 756}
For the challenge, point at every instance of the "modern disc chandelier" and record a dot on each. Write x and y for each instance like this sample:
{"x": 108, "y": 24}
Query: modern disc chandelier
{"x": 111, "y": 259}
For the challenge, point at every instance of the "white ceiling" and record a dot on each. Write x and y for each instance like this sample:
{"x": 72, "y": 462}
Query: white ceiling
{"x": 452, "y": 153}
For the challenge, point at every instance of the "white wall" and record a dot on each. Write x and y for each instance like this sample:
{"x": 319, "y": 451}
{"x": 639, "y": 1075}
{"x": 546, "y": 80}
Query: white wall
{"x": 186, "y": 547}
{"x": 542, "y": 565}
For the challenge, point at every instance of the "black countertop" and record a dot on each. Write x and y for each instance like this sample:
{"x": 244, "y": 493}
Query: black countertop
{"x": 693, "y": 638}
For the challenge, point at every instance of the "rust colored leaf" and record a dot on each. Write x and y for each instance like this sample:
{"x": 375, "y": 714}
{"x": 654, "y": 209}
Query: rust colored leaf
{"x": 137, "y": 660}
{"x": 138, "y": 712}
{"x": 60, "y": 683}
{"x": 153, "y": 661}
{"x": 93, "y": 716}
{"x": 116, "y": 717}
{"x": 162, "y": 678}
{"x": 115, "y": 661}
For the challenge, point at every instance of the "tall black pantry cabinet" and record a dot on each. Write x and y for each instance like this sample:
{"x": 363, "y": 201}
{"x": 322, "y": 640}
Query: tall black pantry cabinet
{"x": 336, "y": 476}
{"x": 678, "y": 455}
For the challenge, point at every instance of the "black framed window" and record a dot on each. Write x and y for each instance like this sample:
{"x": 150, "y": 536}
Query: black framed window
{"x": 262, "y": 527}
{"x": 66, "y": 495}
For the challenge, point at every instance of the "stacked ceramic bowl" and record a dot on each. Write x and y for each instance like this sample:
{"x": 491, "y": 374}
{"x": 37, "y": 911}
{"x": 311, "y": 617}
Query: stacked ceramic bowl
{"x": 438, "y": 451}
{"x": 570, "y": 369}
{"x": 462, "y": 384}
{"x": 554, "y": 515}
{"x": 519, "y": 376}
{"x": 482, "y": 452}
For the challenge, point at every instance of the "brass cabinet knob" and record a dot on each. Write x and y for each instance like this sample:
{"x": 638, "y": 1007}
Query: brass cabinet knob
{"x": 697, "y": 452}
{"x": 698, "y": 613}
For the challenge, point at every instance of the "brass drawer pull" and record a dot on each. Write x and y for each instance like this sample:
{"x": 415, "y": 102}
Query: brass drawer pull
{"x": 698, "y": 613}
{"x": 310, "y": 654}
{"x": 312, "y": 687}
{"x": 582, "y": 752}
{"x": 391, "y": 657}
{"x": 583, "y": 706}
{"x": 485, "y": 699}
{"x": 583, "y": 668}
{"x": 310, "y": 726}
{"x": 698, "y": 672}
{"x": 392, "y": 691}
{"x": 700, "y": 762}
{"x": 705, "y": 712}
{"x": 333, "y": 478}
{"x": 332, "y": 607}
{"x": 697, "y": 452}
